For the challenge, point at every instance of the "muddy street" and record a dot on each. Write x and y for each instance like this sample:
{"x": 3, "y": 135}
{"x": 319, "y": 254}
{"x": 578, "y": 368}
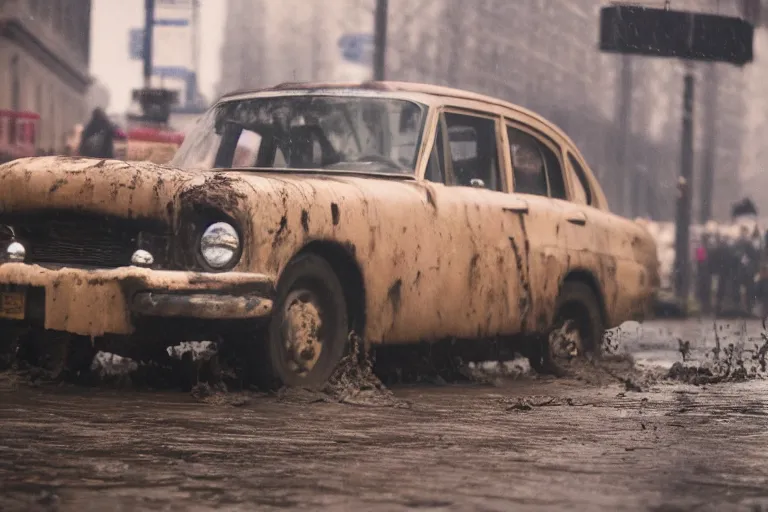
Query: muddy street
{"x": 616, "y": 437}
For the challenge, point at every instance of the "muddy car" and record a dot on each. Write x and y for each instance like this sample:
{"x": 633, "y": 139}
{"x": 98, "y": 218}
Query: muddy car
{"x": 294, "y": 216}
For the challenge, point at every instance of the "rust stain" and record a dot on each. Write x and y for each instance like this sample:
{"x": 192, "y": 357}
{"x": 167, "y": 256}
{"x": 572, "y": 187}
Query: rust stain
{"x": 394, "y": 295}
{"x": 57, "y": 185}
{"x": 335, "y": 216}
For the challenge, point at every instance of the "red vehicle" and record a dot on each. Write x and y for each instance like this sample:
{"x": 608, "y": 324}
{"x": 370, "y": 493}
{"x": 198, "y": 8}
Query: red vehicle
{"x": 153, "y": 144}
{"x": 18, "y": 134}
{"x": 144, "y": 143}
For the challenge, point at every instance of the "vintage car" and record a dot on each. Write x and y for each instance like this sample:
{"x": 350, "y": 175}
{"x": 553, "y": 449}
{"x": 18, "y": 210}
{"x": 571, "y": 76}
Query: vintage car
{"x": 294, "y": 216}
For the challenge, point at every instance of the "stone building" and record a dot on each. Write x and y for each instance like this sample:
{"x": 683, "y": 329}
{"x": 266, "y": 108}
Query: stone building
{"x": 44, "y": 54}
{"x": 623, "y": 112}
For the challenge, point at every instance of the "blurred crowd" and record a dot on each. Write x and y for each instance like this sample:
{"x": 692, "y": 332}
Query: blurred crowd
{"x": 729, "y": 262}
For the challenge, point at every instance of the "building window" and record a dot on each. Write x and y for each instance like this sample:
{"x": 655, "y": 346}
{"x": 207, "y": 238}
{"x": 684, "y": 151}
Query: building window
{"x": 39, "y": 98}
{"x": 51, "y": 126}
{"x": 70, "y": 24}
{"x": 58, "y": 15}
{"x": 15, "y": 84}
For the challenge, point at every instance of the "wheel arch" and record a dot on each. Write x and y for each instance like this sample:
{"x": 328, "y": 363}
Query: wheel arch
{"x": 347, "y": 269}
{"x": 584, "y": 276}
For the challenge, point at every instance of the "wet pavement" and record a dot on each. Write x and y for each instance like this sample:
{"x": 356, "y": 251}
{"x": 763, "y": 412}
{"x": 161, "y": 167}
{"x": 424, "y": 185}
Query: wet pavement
{"x": 615, "y": 437}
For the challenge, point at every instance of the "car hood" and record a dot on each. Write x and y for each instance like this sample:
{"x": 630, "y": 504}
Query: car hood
{"x": 148, "y": 190}
{"x": 108, "y": 187}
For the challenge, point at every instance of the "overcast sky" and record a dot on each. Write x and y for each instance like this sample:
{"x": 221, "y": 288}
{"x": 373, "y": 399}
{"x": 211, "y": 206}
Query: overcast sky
{"x": 110, "y": 64}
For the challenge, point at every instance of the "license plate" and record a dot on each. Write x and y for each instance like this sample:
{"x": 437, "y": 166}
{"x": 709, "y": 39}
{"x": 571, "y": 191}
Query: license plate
{"x": 13, "y": 305}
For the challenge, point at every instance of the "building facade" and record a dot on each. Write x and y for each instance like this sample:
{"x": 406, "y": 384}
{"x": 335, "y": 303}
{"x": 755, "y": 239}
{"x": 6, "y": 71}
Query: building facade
{"x": 44, "y": 54}
{"x": 624, "y": 112}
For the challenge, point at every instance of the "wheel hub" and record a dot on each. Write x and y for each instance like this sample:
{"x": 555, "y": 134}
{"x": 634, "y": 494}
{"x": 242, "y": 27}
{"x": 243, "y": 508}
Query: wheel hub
{"x": 566, "y": 341}
{"x": 301, "y": 331}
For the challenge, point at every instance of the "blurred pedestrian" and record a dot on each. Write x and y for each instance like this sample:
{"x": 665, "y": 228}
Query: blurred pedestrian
{"x": 761, "y": 290}
{"x": 724, "y": 264}
{"x": 706, "y": 255}
{"x": 748, "y": 266}
{"x": 97, "y": 139}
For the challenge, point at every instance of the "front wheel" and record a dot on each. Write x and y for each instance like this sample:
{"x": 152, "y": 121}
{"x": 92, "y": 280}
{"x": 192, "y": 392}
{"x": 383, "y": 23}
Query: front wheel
{"x": 308, "y": 332}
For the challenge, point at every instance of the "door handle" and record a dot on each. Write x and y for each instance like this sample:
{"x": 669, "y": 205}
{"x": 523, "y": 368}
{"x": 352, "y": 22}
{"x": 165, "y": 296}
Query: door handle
{"x": 577, "y": 218}
{"x": 519, "y": 208}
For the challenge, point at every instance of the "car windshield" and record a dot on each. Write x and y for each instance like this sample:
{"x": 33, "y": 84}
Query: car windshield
{"x": 344, "y": 133}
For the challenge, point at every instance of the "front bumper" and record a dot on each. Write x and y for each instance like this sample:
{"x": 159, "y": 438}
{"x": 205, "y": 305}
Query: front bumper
{"x": 97, "y": 302}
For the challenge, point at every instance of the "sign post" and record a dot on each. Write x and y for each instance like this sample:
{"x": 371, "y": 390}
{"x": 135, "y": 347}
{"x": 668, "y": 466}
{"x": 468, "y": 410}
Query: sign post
{"x": 689, "y": 36}
{"x": 149, "y": 21}
{"x": 380, "y": 35}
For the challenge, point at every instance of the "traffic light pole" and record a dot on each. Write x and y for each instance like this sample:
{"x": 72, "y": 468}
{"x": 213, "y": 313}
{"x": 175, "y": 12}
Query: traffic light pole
{"x": 684, "y": 199}
{"x": 380, "y": 40}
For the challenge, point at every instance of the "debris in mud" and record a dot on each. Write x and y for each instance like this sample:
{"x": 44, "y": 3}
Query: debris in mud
{"x": 353, "y": 382}
{"x": 691, "y": 374}
{"x": 198, "y": 350}
{"x": 527, "y": 403}
{"x": 684, "y": 347}
{"x": 106, "y": 365}
{"x": 614, "y": 368}
{"x": 631, "y": 385}
{"x": 218, "y": 394}
{"x": 732, "y": 363}
{"x": 494, "y": 373}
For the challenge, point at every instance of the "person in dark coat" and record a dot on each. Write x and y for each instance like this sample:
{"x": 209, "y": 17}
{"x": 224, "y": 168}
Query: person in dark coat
{"x": 724, "y": 263}
{"x": 706, "y": 258}
{"x": 748, "y": 266}
{"x": 98, "y": 137}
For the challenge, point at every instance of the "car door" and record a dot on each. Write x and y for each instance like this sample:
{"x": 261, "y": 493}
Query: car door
{"x": 601, "y": 242}
{"x": 489, "y": 282}
{"x": 536, "y": 170}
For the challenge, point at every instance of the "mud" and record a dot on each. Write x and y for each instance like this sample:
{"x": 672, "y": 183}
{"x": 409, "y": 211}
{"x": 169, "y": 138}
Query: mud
{"x": 354, "y": 382}
{"x": 526, "y": 442}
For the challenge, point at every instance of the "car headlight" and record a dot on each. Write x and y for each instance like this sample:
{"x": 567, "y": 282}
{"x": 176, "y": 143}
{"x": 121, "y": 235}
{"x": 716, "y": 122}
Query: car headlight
{"x": 219, "y": 245}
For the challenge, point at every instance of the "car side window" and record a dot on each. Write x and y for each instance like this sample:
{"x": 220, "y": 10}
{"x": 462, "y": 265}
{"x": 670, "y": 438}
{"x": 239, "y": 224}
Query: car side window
{"x": 527, "y": 163}
{"x": 536, "y": 168}
{"x": 248, "y": 144}
{"x": 554, "y": 173}
{"x": 436, "y": 164}
{"x": 473, "y": 150}
{"x": 582, "y": 192}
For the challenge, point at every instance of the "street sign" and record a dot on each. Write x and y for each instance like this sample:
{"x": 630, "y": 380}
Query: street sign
{"x": 171, "y": 22}
{"x": 136, "y": 43}
{"x": 639, "y": 30}
{"x": 357, "y": 48}
{"x": 171, "y": 71}
{"x": 180, "y": 4}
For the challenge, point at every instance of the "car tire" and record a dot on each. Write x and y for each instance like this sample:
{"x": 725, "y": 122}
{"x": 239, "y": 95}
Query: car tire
{"x": 309, "y": 315}
{"x": 577, "y": 332}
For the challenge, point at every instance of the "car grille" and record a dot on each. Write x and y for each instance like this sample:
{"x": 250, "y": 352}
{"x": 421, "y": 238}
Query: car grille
{"x": 82, "y": 240}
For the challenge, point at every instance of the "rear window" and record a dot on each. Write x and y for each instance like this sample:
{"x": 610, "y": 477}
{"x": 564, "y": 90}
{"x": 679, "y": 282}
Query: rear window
{"x": 582, "y": 183}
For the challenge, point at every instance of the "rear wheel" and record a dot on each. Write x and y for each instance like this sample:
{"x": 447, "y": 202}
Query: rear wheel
{"x": 577, "y": 332}
{"x": 308, "y": 332}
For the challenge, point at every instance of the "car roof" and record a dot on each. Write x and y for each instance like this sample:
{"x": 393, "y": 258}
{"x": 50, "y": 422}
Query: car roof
{"x": 399, "y": 87}
{"x": 415, "y": 91}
